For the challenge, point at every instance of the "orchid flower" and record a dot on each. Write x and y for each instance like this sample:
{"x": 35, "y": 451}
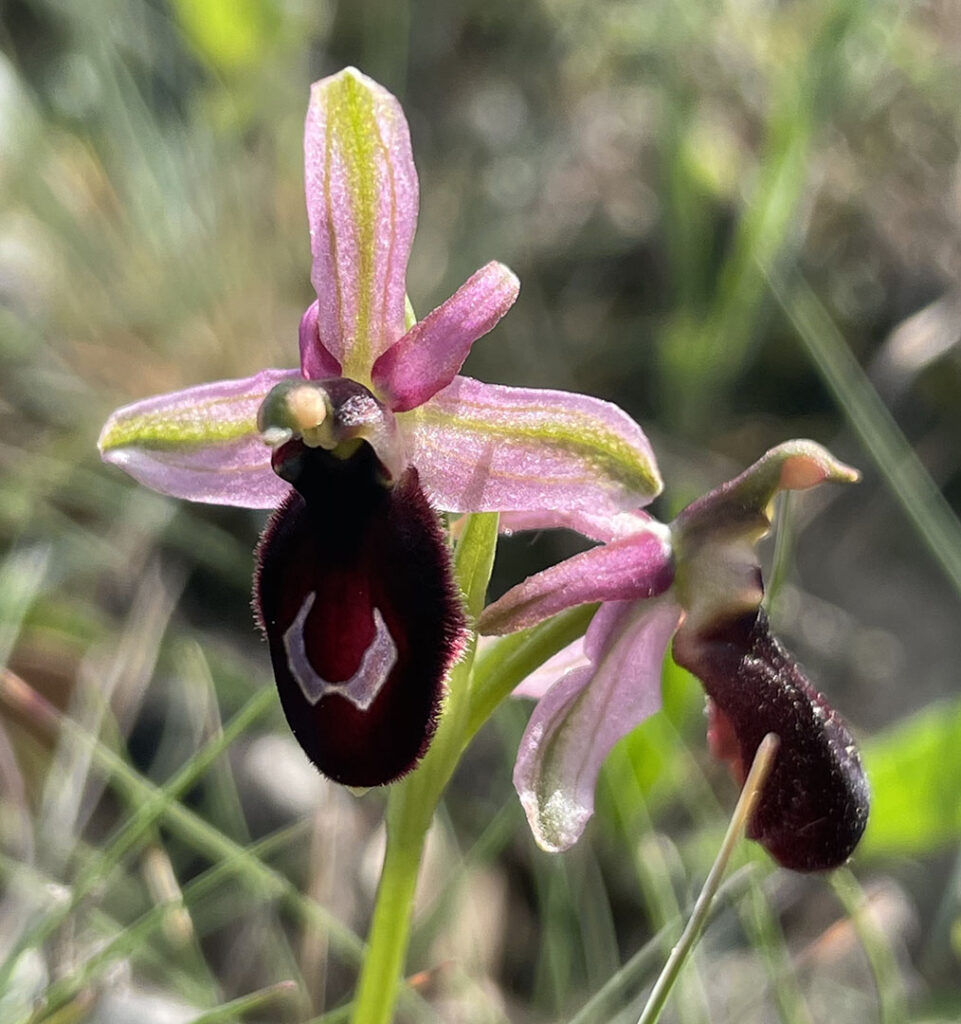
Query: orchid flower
{"x": 360, "y": 448}
{"x": 698, "y": 581}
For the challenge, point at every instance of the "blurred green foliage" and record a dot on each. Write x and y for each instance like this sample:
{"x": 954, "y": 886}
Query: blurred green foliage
{"x": 916, "y": 807}
{"x": 229, "y": 36}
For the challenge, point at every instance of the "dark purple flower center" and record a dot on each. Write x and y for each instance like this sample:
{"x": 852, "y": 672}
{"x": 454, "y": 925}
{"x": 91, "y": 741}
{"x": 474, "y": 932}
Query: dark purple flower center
{"x": 355, "y": 594}
{"x": 814, "y": 805}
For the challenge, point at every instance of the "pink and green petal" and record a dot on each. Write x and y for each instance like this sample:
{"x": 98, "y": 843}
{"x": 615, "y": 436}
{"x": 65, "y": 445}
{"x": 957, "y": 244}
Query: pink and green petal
{"x": 486, "y": 446}
{"x": 362, "y": 206}
{"x": 573, "y": 728}
{"x": 429, "y": 356}
{"x": 316, "y": 363}
{"x": 201, "y": 443}
{"x": 639, "y": 566}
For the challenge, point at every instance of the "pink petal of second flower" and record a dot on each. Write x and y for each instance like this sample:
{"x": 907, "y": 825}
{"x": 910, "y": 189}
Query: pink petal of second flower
{"x": 428, "y": 357}
{"x": 201, "y": 443}
{"x": 574, "y": 727}
{"x": 639, "y": 566}
{"x": 555, "y": 668}
{"x": 362, "y": 199}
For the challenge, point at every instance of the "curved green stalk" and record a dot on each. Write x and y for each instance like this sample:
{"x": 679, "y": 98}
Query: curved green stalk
{"x": 411, "y": 804}
{"x": 475, "y": 690}
{"x": 390, "y": 926}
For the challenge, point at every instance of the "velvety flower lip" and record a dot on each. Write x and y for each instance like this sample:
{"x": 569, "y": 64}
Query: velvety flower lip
{"x": 358, "y": 606}
{"x": 362, "y": 617}
{"x": 700, "y": 583}
{"x": 814, "y": 806}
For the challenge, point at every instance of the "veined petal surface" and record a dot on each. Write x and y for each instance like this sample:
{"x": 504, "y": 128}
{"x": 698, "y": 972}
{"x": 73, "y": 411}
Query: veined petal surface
{"x": 494, "y": 448}
{"x": 637, "y": 567}
{"x": 428, "y": 357}
{"x": 201, "y": 443}
{"x": 362, "y": 197}
{"x": 574, "y": 726}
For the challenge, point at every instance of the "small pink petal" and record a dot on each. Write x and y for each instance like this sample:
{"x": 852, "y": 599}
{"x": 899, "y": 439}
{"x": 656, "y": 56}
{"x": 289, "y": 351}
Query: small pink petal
{"x": 485, "y": 446}
{"x": 362, "y": 206}
{"x": 543, "y": 678}
{"x": 201, "y": 443}
{"x": 574, "y": 727}
{"x": 316, "y": 363}
{"x": 428, "y": 357}
{"x": 639, "y": 566}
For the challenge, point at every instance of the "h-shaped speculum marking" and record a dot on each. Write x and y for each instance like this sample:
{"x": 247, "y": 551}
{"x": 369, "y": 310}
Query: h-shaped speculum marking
{"x": 363, "y": 686}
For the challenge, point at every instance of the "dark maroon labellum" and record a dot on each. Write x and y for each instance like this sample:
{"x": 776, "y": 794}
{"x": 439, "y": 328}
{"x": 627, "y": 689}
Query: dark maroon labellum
{"x": 814, "y": 806}
{"x": 355, "y": 594}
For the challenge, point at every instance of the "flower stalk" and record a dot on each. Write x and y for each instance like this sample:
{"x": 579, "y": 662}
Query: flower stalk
{"x": 387, "y": 942}
{"x": 413, "y": 801}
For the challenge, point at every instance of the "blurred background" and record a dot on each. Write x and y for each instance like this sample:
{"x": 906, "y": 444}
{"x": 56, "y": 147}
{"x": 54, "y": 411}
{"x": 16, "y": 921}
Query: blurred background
{"x": 739, "y": 221}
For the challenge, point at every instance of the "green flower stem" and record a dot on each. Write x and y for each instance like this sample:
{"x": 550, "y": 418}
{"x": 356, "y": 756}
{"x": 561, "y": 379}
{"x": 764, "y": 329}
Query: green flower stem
{"x": 410, "y": 810}
{"x": 412, "y": 802}
{"x": 390, "y": 927}
{"x": 474, "y": 693}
